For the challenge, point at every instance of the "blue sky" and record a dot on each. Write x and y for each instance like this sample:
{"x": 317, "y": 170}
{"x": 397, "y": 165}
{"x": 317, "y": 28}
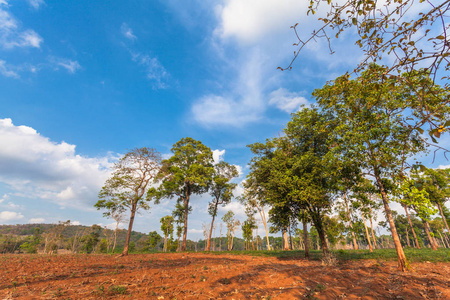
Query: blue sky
{"x": 83, "y": 81}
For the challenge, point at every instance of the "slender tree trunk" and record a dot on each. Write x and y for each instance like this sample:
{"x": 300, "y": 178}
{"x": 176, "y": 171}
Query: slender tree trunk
{"x": 446, "y": 240}
{"x": 115, "y": 237}
{"x": 367, "y": 233}
{"x": 305, "y": 238}
{"x": 398, "y": 246}
{"x": 214, "y": 239}
{"x": 350, "y": 224}
{"x": 407, "y": 237}
{"x": 285, "y": 239}
{"x": 430, "y": 238}
{"x": 443, "y": 216}
{"x": 373, "y": 234}
{"x": 208, "y": 246}
{"x": 263, "y": 218}
{"x": 130, "y": 227}
{"x": 411, "y": 225}
{"x": 220, "y": 238}
{"x": 290, "y": 238}
{"x": 442, "y": 240}
{"x": 165, "y": 244}
{"x": 232, "y": 240}
{"x": 186, "y": 213}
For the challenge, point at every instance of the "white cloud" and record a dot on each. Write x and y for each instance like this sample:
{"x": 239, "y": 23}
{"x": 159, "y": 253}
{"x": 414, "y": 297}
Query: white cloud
{"x": 75, "y": 223}
{"x": 36, "y": 3}
{"x": 287, "y": 101}
{"x": 251, "y": 39}
{"x": 36, "y": 221}
{"x": 4, "y": 198}
{"x": 70, "y": 65}
{"x": 33, "y": 166}
{"x": 218, "y": 155}
{"x": 29, "y": 38}
{"x": 239, "y": 169}
{"x": 11, "y": 35}
{"x": 154, "y": 70}
{"x": 6, "y": 71}
{"x": 242, "y": 104}
{"x": 251, "y": 21}
{"x": 195, "y": 231}
{"x": 127, "y": 32}
{"x": 11, "y": 205}
{"x": 237, "y": 208}
{"x": 7, "y": 216}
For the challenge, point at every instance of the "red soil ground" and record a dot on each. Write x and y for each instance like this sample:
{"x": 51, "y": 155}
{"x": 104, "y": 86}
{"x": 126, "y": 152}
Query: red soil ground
{"x": 209, "y": 276}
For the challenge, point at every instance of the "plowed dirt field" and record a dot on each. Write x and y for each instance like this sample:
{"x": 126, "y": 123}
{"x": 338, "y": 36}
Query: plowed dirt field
{"x": 210, "y": 276}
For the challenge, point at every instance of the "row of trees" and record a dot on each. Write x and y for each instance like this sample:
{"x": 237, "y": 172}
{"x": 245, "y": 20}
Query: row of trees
{"x": 356, "y": 148}
{"x": 142, "y": 176}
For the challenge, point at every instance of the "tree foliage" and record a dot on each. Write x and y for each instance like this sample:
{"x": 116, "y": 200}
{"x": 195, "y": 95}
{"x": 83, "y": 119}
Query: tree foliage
{"x": 128, "y": 184}
{"x": 188, "y": 171}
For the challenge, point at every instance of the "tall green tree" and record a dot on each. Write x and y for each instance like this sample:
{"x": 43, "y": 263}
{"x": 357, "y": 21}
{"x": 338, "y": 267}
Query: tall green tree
{"x": 373, "y": 114}
{"x": 419, "y": 200}
{"x": 253, "y": 196}
{"x": 167, "y": 229}
{"x": 126, "y": 188}
{"x": 437, "y": 184}
{"x": 153, "y": 239}
{"x": 221, "y": 190}
{"x": 411, "y": 32}
{"x": 188, "y": 171}
{"x": 296, "y": 171}
{"x": 232, "y": 225}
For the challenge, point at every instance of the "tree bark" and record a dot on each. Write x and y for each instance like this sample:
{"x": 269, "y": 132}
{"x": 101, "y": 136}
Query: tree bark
{"x": 430, "y": 238}
{"x": 373, "y": 234}
{"x": 367, "y": 233}
{"x": 398, "y": 246}
{"x": 350, "y": 224}
{"x": 208, "y": 246}
{"x": 186, "y": 213}
{"x": 115, "y": 237}
{"x": 305, "y": 238}
{"x": 407, "y": 237}
{"x": 263, "y": 218}
{"x": 320, "y": 230}
{"x": 285, "y": 240}
{"x": 443, "y": 216}
{"x": 130, "y": 227}
{"x": 442, "y": 240}
{"x": 412, "y": 228}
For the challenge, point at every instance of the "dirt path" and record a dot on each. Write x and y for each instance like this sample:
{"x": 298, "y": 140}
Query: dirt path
{"x": 204, "y": 276}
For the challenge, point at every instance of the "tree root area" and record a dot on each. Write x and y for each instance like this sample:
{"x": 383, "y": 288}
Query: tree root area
{"x": 212, "y": 276}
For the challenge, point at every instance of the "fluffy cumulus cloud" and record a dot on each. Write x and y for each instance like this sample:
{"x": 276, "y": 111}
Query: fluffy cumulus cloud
{"x": 251, "y": 39}
{"x": 243, "y": 103}
{"x": 8, "y": 216}
{"x": 251, "y": 21}
{"x": 247, "y": 38}
{"x": 287, "y": 101}
{"x": 11, "y": 33}
{"x": 127, "y": 32}
{"x": 32, "y": 165}
{"x": 218, "y": 155}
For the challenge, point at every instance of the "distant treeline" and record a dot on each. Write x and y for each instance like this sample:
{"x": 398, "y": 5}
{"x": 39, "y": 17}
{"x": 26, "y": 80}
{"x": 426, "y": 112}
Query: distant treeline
{"x": 63, "y": 237}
